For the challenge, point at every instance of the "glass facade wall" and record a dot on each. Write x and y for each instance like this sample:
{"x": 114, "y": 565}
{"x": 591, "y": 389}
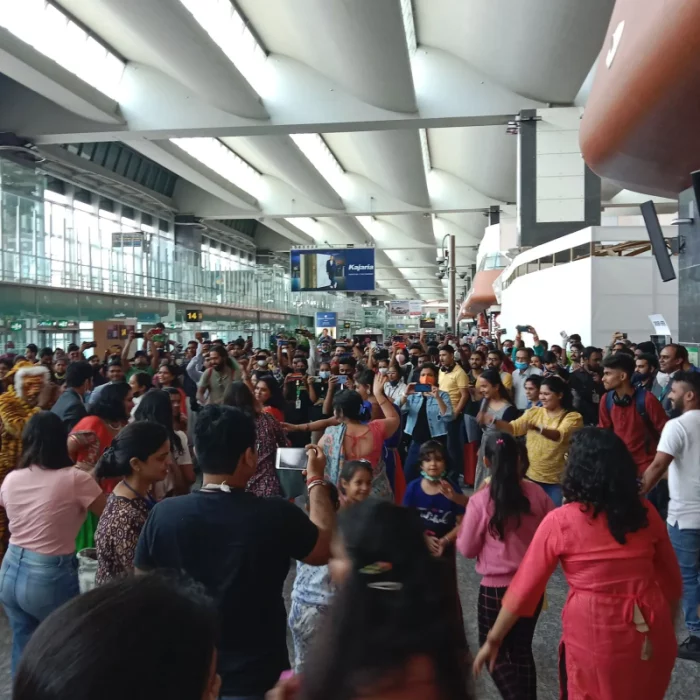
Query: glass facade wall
{"x": 72, "y": 239}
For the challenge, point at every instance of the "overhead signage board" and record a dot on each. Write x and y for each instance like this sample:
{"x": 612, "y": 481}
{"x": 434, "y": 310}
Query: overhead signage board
{"x": 326, "y": 319}
{"x": 342, "y": 269}
{"x": 62, "y": 325}
{"x": 194, "y": 316}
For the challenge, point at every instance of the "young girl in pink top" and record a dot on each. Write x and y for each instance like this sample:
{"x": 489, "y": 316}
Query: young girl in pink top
{"x": 499, "y": 525}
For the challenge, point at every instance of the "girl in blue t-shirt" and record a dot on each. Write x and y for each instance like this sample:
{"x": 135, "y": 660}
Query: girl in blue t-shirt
{"x": 440, "y": 505}
{"x": 312, "y": 590}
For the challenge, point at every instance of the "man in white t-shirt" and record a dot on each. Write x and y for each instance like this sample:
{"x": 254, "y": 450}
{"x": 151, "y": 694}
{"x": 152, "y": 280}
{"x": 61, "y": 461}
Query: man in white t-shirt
{"x": 679, "y": 453}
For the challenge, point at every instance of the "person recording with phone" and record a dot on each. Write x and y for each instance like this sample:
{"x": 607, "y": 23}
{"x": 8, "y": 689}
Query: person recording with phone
{"x": 429, "y": 413}
{"x": 141, "y": 361}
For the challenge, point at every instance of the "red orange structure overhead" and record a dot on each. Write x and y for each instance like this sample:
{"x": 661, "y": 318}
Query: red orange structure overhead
{"x": 640, "y": 127}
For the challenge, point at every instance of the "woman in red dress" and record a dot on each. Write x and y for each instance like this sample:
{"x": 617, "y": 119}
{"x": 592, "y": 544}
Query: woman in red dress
{"x": 269, "y": 394}
{"x": 92, "y": 435}
{"x": 618, "y": 640}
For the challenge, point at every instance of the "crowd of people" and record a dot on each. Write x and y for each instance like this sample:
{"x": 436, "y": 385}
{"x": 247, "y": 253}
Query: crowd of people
{"x": 161, "y": 460}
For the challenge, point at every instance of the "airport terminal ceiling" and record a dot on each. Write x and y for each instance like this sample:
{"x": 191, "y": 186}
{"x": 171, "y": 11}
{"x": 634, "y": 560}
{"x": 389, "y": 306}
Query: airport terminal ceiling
{"x": 379, "y": 122}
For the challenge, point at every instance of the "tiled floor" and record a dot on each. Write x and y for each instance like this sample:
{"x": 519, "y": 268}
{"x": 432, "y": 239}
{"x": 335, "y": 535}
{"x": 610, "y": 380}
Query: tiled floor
{"x": 686, "y": 676}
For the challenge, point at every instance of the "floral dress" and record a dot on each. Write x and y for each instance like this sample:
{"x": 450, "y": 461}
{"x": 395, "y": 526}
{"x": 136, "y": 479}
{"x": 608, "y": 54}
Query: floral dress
{"x": 270, "y": 436}
{"x": 117, "y": 535}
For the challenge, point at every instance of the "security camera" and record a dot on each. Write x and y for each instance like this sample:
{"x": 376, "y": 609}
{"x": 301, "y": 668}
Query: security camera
{"x": 440, "y": 275}
{"x": 440, "y": 259}
{"x": 443, "y": 269}
{"x": 462, "y": 275}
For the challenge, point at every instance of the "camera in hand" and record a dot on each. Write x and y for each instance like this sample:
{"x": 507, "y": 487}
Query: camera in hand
{"x": 423, "y": 388}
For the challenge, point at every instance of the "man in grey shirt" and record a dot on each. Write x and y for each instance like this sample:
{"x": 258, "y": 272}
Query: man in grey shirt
{"x": 523, "y": 370}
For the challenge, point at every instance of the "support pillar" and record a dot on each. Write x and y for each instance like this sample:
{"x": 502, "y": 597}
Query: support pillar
{"x": 557, "y": 192}
{"x": 452, "y": 277}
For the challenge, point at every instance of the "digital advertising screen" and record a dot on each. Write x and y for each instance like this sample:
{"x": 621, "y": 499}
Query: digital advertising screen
{"x": 344, "y": 269}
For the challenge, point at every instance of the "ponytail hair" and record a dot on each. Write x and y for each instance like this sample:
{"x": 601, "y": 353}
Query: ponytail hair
{"x": 493, "y": 377}
{"x": 138, "y": 440}
{"x": 509, "y": 500}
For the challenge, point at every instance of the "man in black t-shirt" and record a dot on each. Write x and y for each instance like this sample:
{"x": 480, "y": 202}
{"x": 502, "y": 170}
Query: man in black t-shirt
{"x": 239, "y": 546}
{"x": 587, "y": 385}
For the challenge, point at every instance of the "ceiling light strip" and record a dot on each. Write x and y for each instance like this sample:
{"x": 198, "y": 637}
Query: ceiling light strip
{"x": 217, "y": 157}
{"x": 321, "y": 157}
{"x": 425, "y": 150}
{"x": 308, "y": 225}
{"x": 409, "y": 26}
{"x": 229, "y": 30}
{"x": 51, "y": 32}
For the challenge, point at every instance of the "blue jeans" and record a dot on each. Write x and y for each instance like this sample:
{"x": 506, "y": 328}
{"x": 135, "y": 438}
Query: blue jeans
{"x": 686, "y": 544}
{"x": 553, "y": 491}
{"x": 32, "y": 586}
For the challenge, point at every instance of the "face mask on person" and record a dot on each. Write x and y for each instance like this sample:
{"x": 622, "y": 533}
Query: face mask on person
{"x": 401, "y": 360}
{"x": 383, "y": 371}
{"x": 324, "y": 374}
{"x": 521, "y": 365}
{"x": 262, "y": 363}
{"x": 430, "y": 381}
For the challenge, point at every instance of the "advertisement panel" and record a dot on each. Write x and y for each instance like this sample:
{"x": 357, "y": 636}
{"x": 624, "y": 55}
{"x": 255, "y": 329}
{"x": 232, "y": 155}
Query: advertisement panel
{"x": 344, "y": 269}
{"x": 326, "y": 321}
{"x": 415, "y": 308}
{"x": 399, "y": 308}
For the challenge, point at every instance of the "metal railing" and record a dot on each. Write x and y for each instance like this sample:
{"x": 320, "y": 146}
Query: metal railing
{"x": 260, "y": 287}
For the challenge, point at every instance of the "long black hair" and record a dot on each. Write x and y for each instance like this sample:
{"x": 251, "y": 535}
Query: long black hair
{"x": 44, "y": 442}
{"x": 109, "y": 402}
{"x": 138, "y": 623}
{"x": 238, "y": 394}
{"x": 138, "y": 440}
{"x": 493, "y": 377}
{"x": 155, "y": 406}
{"x": 602, "y": 476}
{"x": 558, "y": 386}
{"x": 509, "y": 500}
{"x": 276, "y": 397}
{"x": 374, "y": 629}
{"x": 348, "y": 404}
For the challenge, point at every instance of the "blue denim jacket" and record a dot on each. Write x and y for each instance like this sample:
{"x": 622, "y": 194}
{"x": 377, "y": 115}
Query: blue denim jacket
{"x": 436, "y": 421}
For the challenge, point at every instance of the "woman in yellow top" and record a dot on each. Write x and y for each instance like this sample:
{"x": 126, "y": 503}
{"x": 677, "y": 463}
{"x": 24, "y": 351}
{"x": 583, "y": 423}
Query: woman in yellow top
{"x": 548, "y": 430}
